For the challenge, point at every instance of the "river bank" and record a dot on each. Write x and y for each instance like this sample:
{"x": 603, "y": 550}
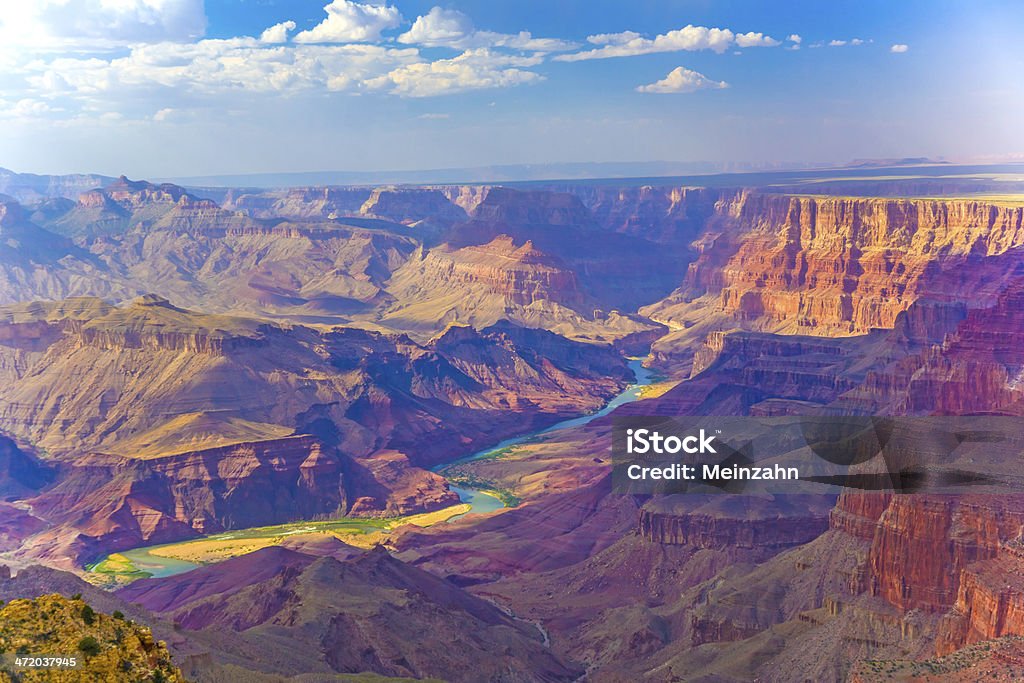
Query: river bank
{"x": 477, "y": 497}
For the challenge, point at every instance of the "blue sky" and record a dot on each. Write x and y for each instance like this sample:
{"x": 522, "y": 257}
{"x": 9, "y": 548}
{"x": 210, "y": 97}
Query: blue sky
{"x": 186, "y": 87}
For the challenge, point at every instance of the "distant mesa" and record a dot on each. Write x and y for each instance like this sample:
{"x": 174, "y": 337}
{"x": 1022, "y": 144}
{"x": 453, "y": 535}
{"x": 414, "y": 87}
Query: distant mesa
{"x": 153, "y": 300}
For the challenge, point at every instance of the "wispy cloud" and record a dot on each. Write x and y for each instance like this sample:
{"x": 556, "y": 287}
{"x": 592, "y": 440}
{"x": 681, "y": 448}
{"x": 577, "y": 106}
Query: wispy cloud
{"x": 164, "y": 114}
{"x": 26, "y": 108}
{"x": 841, "y": 42}
{"x": 84, "y": 24}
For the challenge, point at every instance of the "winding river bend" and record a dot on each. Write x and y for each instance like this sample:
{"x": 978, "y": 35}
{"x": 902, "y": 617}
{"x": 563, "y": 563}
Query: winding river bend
{"x": 482, "y": 501}
{"x": 479, "y": 501}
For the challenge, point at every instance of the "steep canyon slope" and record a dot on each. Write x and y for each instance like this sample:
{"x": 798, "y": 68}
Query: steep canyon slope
{"x": 315, "y": 351}
{"x": 163, "y": 422}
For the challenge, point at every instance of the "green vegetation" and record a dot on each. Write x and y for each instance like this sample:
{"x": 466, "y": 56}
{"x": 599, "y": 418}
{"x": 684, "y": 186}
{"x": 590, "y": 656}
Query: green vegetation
{"x": 89, "y": 646}
{"x": 496, "y": 454}
{"x": 120, "y": 568}
{"x": 104, "y": 648}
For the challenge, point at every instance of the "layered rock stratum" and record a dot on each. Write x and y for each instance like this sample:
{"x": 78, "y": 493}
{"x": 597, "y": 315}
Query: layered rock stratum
{"x": 179, "y": 423}
{"x": 314, "y": 352}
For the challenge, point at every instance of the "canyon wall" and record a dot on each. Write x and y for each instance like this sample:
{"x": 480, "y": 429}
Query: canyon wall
{"x": 105, "y": 503}
{"x": 734, "y": 522}
{"x": 831, "y": 266}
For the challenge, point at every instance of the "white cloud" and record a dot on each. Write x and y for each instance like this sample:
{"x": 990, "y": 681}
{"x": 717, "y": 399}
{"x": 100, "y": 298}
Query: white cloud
{"x": 213, "y": 67}
{"x": 899, "y": 48}
{"x": 794, "y": 38}
{"x": 613, "y": 38}
{"x": 434, "y": 117}
{"x": 351, "y": 22}
{"x": 752, "y": 39}
{"x": 164, "y": 72}
{"x": 438, "y": 27}
{"x": 689, "y": 38}
{"x": 472, "y": 70}
{"x": 161, "y": 80}
{"x": 682, "y": 80}
{"x": 840, "y": 43}
{"x": 523, "y": 40}
{"x": 26, "y": 108}
{"x": 168, "y": 76}
{"x": 278, "y": 33}
{"x": 54, "y": 24}
{"x": 451, "y": 28}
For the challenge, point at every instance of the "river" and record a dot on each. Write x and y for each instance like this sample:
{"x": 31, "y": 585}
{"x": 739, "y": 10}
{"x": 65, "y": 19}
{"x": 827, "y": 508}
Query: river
{"x": 479, "y": 501}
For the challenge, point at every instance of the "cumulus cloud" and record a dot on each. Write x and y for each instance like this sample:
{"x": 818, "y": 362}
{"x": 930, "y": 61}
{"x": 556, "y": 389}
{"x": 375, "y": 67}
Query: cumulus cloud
{"x": 438, "y": 27}
{"x": 682, "y": 80}
{"x": 278, "y": 33}
{"x": 351, "y": 22}
{"x": 752, "y": 39}
{"x": 794, "y": 38}
{"x": 145, "y": 60}
{"x": 168, "y": 76}
{"x": 213, "y": 67}
{"x": 451, "y": 28}
{"x": 899, "y": 48}
{"x": 54, "y": 24}
{"x": 472, "y": 70}
{"x": 689, "y": 38}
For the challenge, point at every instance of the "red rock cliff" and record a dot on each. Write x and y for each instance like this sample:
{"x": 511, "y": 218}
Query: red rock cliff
{"x": 828, "y": 266}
